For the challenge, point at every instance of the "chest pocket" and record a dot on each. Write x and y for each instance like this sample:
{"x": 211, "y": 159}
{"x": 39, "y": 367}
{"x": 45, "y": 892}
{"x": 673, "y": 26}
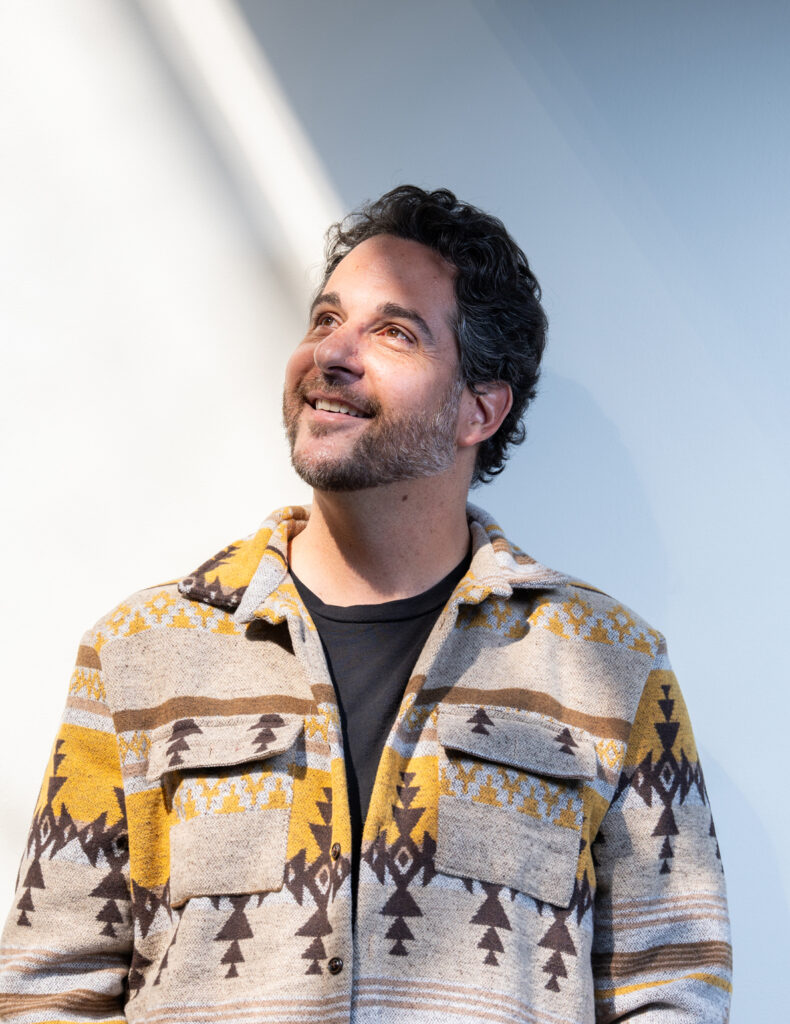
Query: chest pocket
{"x": 510, "y": 800}
{"x": 228, "y": 783}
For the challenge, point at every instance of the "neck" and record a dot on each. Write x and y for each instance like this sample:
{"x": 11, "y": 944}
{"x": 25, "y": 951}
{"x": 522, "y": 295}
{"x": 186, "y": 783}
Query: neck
{"x": 382, "y": 543}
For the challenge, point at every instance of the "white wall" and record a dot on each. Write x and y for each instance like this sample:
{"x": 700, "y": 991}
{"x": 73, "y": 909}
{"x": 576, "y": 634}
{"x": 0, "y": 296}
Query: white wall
{"x": 144, "y": 334}
{"x": 639, "y": 154}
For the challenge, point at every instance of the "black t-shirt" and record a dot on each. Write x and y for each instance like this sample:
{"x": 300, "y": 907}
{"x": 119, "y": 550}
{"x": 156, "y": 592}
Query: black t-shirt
{"x": 371, "y": 650}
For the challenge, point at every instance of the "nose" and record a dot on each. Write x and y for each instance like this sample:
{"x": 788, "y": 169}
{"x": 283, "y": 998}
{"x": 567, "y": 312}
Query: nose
{"x": 338, "y": 354}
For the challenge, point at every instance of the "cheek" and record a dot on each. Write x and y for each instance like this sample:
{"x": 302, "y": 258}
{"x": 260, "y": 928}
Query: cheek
{"x": 300, "y": 363}
{"x": 414, "y": 391}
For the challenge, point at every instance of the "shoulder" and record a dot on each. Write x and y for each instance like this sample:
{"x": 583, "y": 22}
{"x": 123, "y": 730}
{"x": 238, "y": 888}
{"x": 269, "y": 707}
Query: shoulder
{"x": 555, "y": 633}
{"x": 164, "y": 633}
{"x": 580, "y": 613}
{"x": 203, "y": 600}
{"x": 161, "y": 608}
{"x": 567, "y": 649}
{"x": 149, "y": 638}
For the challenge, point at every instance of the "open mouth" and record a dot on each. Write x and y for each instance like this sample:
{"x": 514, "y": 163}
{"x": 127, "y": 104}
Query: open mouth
{"x": 328, "y": 405}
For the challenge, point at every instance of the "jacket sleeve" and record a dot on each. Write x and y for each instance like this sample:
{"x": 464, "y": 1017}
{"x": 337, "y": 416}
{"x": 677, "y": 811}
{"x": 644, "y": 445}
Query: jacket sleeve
{"x": 661, "y": 948}
{"x": 67, "y": 943}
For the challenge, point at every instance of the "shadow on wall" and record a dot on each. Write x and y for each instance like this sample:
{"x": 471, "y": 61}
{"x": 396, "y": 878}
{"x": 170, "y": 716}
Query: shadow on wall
{"x": 759, "y": 908}
{"x": 573, "y": 497}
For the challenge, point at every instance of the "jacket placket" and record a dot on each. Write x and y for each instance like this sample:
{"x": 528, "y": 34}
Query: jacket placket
{"x": 327, "y": 930}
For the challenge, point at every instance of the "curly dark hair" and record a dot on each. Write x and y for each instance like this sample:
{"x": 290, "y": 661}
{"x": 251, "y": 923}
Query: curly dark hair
{"x": 500, "y": 324}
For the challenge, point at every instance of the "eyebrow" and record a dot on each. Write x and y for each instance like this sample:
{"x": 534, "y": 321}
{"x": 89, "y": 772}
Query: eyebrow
{"x": 330, "y": 298}
{"x": 393, "y": 309}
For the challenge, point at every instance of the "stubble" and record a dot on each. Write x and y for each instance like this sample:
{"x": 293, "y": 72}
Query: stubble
{"x": 391, "y": 448}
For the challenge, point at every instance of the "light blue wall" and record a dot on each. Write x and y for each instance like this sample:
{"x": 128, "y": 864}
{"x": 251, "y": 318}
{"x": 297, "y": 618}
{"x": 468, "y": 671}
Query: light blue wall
{"x": 639, "y": 152}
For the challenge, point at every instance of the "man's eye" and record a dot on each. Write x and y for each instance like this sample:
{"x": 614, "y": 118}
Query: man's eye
{"x": 325, "y": 320}
{"x": 396, "y": 332}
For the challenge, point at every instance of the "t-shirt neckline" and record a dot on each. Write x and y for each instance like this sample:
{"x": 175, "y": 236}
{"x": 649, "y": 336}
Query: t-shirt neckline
{"x": 387, "y": 611}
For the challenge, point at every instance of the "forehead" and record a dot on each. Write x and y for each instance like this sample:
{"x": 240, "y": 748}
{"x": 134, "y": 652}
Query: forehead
{"x": 389, "y": 269}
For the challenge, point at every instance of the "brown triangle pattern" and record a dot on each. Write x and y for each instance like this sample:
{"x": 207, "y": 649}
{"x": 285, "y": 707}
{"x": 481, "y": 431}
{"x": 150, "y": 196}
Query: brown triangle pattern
{"x": 566, "y": 742}
{"x": 558, "y": 940}
{"x": 481, "y": 722}
{"x": 267, "y": 726}
{"x": 583, "y": 895}
{"x": 403, "y": 861}
{"x": 163, "y": 962}
{"x": 146, "y": 903}
{"x": 52, "y": 830}
{"x": 712, "y": 834}
{"x": 491, "y": 915}
{"x": 179, "y": 743}
{"x": 235, "y": 930}
{"x": 669, "y": 779}
{"x": 113, "y": 888}
{"x": 317, "y": 881}
{"x": 136, "y": 977}
{"x": 43, "y": 835}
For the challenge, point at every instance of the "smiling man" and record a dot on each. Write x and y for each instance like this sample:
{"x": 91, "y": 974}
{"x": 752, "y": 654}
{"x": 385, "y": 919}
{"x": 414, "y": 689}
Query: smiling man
{"x": 374, "y": 763}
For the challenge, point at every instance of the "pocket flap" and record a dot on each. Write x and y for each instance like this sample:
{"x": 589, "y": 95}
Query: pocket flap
{"x": 212, "y": 742}
{"x": 506, "y": 737}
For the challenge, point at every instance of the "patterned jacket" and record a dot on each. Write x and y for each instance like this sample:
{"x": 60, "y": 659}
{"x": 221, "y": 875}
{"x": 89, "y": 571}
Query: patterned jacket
{"x": 539, "y": 847}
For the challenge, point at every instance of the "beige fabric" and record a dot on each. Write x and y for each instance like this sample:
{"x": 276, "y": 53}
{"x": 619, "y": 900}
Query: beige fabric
{"x": 188, "y": 860}
{"x": 220, "y": 742}
{"x": 507, "y": 848}
{"x": 234, "y": 853}
{"x": 506, "y": 737}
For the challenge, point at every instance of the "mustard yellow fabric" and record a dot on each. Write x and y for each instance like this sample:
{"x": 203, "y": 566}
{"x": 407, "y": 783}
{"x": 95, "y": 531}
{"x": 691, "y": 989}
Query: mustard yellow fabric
{"x": 539, "y": 846}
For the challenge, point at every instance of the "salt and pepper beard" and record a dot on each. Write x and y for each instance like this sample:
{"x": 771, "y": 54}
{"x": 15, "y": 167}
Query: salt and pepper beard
{"x": 390, "y": 449}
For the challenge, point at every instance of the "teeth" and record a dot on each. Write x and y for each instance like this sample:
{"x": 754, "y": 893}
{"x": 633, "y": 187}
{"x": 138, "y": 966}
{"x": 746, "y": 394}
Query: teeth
{"x": 326, "y": 406}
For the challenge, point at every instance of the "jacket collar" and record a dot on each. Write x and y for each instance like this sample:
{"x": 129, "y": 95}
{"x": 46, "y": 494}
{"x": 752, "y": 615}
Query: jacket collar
{"x": 249, "y": 577}
{"x": 224, "y": 579}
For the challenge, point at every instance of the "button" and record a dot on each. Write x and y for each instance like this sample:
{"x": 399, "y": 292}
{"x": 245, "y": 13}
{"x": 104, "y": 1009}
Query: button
{"x": 335, "y": 965}
{"x": 335, "y": 851}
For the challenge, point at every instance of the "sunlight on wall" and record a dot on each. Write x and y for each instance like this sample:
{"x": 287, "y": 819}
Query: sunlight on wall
{"x": 227, "y": 73}
{"x": 147, "y": 307}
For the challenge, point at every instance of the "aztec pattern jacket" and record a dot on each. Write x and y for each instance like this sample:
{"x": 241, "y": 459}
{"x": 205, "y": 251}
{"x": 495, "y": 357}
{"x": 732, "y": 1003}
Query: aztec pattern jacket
{"x": 539, "y": 847}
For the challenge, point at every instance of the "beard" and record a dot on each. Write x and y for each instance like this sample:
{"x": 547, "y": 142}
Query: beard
{"x": 392, "y": 448}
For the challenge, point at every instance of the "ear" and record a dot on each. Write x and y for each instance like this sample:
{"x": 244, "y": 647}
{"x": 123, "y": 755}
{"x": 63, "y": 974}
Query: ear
{"x": 481, "y": 412}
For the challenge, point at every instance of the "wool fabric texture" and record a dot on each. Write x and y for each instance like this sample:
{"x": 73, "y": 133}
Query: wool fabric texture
{"x": 538, "y": 849}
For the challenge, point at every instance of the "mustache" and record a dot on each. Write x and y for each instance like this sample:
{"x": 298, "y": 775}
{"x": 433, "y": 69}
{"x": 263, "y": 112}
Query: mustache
{"x": 341, "y": 392}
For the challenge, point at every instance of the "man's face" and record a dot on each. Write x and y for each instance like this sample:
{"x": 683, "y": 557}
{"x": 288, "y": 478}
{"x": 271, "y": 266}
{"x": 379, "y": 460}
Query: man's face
{"x": 371, "y": 393}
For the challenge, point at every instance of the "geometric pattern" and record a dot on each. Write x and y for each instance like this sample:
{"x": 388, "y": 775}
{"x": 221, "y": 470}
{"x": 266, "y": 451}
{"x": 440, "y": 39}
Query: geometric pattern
{"x": 667, "y": 774}
{"x": 52, "y": 831}
{"x": 179, "y": 743}
{"x": 228, "y": 792}
{"x": 319, "y": 879}
{"x": 235, "y": 930}
{"x": 146, "y": 904}
{"x": 163, "y": 962}
{"x": 558, "y": 938}
{"x": 267, "y": 726}
{"x": 573, "y": 618}
{"x": 491, "y": 915}
{"x": 559, "y": 653}
{"x": 214, "y": 590}
{"x": 160, "y": 611}
{"x": 399, "y": 861}
{"x": 498, "y": 786}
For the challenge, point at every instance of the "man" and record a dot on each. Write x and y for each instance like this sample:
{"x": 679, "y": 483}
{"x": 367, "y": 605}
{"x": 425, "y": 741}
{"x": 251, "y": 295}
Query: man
{"x": 374, "y": 763}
